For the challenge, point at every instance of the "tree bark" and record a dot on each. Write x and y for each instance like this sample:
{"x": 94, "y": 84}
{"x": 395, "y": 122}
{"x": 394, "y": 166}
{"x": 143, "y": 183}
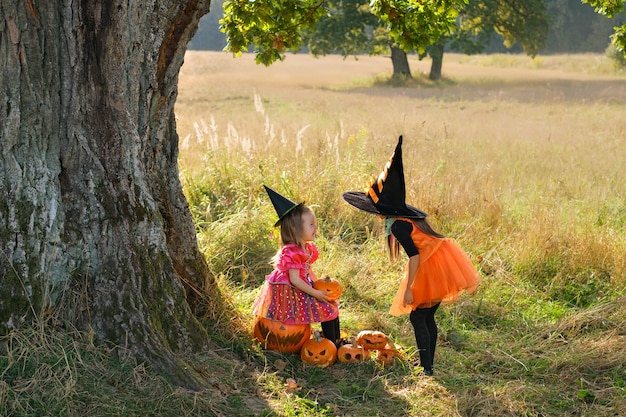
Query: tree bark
{"x": 94, "y": 227}
{"x": 400, "y": 63}
{"x": 436, "y": 53}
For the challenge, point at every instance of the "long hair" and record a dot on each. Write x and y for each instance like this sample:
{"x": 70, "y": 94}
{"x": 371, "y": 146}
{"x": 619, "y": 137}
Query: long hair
{"x": 422, "y": 224}
{"x": 291, "y": 229}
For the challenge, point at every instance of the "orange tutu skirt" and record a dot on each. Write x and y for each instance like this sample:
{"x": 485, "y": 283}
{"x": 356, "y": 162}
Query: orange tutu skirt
{"x": 444, "y": 274}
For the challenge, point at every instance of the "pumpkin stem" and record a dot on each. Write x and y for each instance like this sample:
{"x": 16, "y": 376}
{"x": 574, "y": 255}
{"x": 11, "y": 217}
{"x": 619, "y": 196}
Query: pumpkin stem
{"x": 317, "y": 336}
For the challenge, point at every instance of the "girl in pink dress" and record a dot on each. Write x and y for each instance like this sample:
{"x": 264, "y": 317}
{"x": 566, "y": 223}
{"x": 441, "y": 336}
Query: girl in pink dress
{"x": 288, "y": 295}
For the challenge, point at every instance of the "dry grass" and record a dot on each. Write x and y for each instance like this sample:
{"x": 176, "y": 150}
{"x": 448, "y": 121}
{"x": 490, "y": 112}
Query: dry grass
{"x": 525, "y": 161}
{"x": 522, "y": 161}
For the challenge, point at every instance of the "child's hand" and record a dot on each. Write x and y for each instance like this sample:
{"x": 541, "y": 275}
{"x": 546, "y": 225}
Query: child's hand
{"x": 321, "y": 295}
{"x": 408, "y": 297}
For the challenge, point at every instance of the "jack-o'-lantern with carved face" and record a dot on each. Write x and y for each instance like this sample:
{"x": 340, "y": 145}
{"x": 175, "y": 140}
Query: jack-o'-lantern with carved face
{"x": 282, "y": 337}
{"x": 386, "y": 355}
{"x": 319, "y": 351}
{"x": 371, "y": 339}
{"x": 351, "y": 353}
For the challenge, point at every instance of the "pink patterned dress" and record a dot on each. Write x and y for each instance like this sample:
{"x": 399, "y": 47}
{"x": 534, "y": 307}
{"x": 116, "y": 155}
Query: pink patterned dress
{"x": 281, "y": 301}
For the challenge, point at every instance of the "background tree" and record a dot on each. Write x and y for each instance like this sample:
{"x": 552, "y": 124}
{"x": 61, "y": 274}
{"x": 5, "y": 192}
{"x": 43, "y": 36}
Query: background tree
{"x": 410, "y": 25}
{"x": 94, "y": 226}
{"x": 352, "y": 27}
{"x": 611, "y": 9}
{"x": 574, "y": 27}
{"x": 523, "y": 22}
{"x": 475, "y": 25}
{"x": 413, "y": 26}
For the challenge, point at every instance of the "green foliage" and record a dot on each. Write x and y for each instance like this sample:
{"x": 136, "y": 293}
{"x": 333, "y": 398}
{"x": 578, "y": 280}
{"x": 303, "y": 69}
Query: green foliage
{"x": 574, "y": 27}
{"x": 607, "y": 8}
{"x": 524, "y": 22}
{"x": 357, "y": 26}
{"x": 415, "y": 24}
{"x": 619, "y": 39}
{"x": 348, "y": 28}
{"x": 271, "y": 26}
{"x": 274, "y": 26}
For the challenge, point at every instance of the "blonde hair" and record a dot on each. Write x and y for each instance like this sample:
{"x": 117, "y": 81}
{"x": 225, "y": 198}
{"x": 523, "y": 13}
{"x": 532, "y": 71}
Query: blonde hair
{"x": 291, "y": 229}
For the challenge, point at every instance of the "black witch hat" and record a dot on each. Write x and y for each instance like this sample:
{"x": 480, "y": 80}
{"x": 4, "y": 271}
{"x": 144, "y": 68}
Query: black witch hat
{"x": 386, "y": 196}
{"x": 282, "y": 205}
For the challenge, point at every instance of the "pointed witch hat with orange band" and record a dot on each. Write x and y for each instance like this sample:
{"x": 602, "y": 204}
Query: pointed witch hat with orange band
{"x": 282, "y": 205}
{"x": 386, "y": 196}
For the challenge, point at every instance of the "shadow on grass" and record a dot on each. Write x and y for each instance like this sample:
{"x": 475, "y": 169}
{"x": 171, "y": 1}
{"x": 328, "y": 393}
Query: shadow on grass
{"x": 524, "y": 91}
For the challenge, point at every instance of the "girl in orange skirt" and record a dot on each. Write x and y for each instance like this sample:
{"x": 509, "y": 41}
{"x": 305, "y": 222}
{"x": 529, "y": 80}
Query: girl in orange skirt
{"x": 437, "y": 271}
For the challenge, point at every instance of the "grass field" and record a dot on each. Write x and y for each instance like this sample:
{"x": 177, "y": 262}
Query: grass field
{"x": 522, "y": 161}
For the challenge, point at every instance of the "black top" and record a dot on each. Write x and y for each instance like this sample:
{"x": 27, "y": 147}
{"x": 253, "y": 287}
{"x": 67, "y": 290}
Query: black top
{"x": 402, "y": 229}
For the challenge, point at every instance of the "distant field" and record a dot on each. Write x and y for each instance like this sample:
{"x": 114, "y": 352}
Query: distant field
{"x": 323, "y": 93}
{"x": 584, "y": 77}
{"x": 511, "y": 117}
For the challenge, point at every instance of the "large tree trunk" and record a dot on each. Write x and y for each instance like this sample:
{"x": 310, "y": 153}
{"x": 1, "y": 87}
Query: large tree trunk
{"x": 400, "y": 63}
{"x": 93, "y": 222}
{"x": 436, "y": 53}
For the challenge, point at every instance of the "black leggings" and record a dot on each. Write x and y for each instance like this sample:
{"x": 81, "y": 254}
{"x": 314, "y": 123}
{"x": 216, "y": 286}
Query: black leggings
{"x": 425, "y": 328}
{"x": 331, "y": 330}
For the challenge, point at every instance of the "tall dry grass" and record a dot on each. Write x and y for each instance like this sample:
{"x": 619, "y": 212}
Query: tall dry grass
{"x": 538, "y": 185}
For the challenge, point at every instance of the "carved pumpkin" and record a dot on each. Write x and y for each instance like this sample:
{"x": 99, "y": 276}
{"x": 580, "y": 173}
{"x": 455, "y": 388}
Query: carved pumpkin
{"x": 371, "y": 339}
{"x": 282, "y": 337}
{"x": 332, "y": 287}
{"x": 351, "y": 352}
{"x": 386, "y": 355}
{"x": 319, "y": 351}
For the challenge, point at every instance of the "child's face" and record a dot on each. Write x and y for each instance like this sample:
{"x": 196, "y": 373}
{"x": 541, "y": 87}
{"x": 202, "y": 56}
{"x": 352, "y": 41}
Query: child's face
{"x": 309, "y": 226}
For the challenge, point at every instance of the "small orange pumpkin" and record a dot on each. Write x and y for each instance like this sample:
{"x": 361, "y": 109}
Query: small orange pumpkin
{"x": 332, "y": 287}
{"x": 386, "y": 355}
{"x": 351, "y": 352}
{"x": 372, "y": 339}
{"x": 282, "y": 337}
{"x": 319, "y": 351}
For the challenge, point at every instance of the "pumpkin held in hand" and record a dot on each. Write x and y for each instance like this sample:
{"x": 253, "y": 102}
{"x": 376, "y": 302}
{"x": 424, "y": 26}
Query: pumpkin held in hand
{"x": 351, "y": 352}
{"x": 372, "y": 339}
{"x": 319, "y": 351}
{"x": 282, "y": 337}
{"x": 330, "y": 286}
